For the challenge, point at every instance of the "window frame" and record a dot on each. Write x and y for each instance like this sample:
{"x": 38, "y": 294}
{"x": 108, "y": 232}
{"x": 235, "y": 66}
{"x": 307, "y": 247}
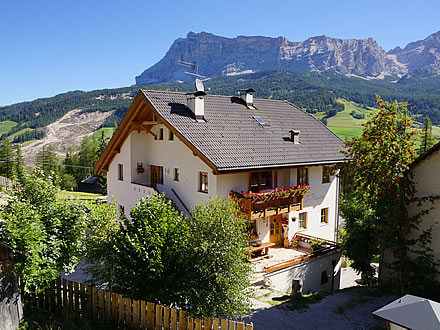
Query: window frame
{"x": 300, "y": 177}
{"x": 176, "y": 174}
{"x": 324, "y": 215}
{"x": 304, "y": 220}
{"x": 259, "y": 180}
{"x": 203, "y": 184}
{"x": 121, "y": 172}
{"x": 170, "y": 136}
{"x": 326, "y": 175}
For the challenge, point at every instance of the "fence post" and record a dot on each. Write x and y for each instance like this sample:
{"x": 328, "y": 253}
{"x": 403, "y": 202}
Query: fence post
{"x": 173, "y": 319}
{"x": 159, "y": 317}
{"x": 136, "y": 313}
{"x": 250, "y": 326}
{"x": 128, "y": 311}
{"x": 143, "y": 307}
{"x": 115, "y": 305}
{"x": 166, "y": 318}
{"x": 215, "y": 324}
{"x": 182, "y": 320}
{"x": 121, "y": 308}
{"x": 150, "y": 315}
{"x": 224, "y": 324}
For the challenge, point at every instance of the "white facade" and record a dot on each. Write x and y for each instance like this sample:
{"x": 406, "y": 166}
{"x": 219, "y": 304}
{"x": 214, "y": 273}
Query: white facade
{"x": 141, "y": 148}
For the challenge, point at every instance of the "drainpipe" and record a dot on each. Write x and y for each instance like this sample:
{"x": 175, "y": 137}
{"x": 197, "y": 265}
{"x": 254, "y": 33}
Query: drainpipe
{"x": 337, "y": 209}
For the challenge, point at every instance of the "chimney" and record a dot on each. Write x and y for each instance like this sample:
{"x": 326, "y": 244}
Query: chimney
{"x": 196, "y": 104}
{"x": 247, "y": 95}
{"x": 294, "y": 136}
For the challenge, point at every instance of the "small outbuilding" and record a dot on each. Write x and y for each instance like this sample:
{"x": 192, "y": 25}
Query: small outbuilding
{"x": 90, "y": 185}
{"x": 411, "y": 312}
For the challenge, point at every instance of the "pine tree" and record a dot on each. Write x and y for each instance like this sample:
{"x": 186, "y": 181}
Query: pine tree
{"x": 19, "y": 164}
{"x": 7, "y": 159}
{"x": 427, "y": 138}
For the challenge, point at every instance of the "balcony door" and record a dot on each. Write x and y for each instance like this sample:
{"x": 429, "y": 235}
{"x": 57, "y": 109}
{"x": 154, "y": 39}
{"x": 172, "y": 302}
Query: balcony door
{"x": 156, "y": 175}
{"x": 276, "y": 229}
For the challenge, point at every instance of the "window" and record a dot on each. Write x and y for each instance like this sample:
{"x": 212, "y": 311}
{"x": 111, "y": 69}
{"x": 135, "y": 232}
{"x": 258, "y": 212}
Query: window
{"x": 324, "y": 277}
{"x": 303, "y": 176}
{"x": 325, "y": 174}
{"x": 171, "y": 136}
{"x": 260, "y": 181}
{"x": 324, "y": 215}
{"x": 176, "y": 174}
{"x": 121, "y": 172}
{"x": 203, "y": 182}
{"x": 161, "y": 134}
{"x": 302, "y": 220}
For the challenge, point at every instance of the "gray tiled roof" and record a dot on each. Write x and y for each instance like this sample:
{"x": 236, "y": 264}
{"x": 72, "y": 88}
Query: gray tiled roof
{"x": 233, "y": 140}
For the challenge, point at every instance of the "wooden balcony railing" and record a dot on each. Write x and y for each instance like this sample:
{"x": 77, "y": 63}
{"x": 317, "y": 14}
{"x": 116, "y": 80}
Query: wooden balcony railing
{"x": 253, "y": 209}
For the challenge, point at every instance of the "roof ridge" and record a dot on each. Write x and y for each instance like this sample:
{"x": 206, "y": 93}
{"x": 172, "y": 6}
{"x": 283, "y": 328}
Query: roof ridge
{"x": 216, "y": 95}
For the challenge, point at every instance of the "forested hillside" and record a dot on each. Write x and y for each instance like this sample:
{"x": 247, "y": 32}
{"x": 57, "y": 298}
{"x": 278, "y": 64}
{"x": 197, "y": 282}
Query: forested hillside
{"x": 315, "y": 92}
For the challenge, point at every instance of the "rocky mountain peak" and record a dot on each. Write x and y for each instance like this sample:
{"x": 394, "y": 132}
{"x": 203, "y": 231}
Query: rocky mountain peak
{"x": 218, "y": 56}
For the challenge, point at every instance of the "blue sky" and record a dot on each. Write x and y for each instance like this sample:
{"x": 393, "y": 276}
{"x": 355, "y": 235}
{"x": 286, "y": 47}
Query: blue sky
{"x": 48, "y": 47}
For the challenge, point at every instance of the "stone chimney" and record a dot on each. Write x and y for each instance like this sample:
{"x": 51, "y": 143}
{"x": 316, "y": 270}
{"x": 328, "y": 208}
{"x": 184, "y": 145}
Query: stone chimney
{"x": 294, "y": 136}
{"x": 196, "y": 103}
{"x": 247, "y": 95}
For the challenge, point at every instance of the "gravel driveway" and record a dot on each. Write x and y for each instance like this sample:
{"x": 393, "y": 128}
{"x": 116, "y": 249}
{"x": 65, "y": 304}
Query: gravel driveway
{"x": 349, "y": 308}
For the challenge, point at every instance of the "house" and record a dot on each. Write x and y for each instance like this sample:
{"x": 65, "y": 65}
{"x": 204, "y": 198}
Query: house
{"x": 195, "y": 146}
{"x": 425, "y": 171}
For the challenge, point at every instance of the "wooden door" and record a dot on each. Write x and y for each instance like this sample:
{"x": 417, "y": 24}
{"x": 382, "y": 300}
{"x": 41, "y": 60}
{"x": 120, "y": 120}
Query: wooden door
{"x": 156, "y": 175}
{"x": 276, "y": 229}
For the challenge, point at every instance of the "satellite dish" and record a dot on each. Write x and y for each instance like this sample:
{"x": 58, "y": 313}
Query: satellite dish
{"x": 199, "y": 86}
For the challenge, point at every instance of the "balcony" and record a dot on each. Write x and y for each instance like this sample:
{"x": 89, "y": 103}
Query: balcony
{"x": 253, "y": 209}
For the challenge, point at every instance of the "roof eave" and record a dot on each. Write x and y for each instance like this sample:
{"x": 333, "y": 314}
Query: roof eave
{"x": 277, "y": 166}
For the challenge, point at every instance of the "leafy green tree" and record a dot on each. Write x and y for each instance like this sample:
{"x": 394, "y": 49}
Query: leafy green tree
{"x": 218, "y": 276}
{"x": 45, "y": 236}
{"x": 99, "y": 244}
{"x": 427, "y": 139}
{"x": 148, "y": 252}
{"x": 161, "y": 256}
{"x": 377, "y": 191}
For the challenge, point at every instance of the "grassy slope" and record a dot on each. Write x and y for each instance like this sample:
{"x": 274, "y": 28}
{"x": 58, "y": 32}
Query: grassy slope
{"x": 108, "y": 132}
{"x": 5, "y": 126}
{"x": 343, "y": 124}
{"x": 347, "y": 127}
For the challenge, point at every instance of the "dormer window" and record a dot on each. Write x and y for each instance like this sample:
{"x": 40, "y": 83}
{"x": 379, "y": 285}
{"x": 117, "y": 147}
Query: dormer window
{"x": 161, "y": 134}
{"x": 261, "y": 180}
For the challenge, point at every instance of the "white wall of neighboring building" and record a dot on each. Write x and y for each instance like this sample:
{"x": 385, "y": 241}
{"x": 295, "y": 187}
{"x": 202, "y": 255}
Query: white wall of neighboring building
{"x": 427, "y": 183}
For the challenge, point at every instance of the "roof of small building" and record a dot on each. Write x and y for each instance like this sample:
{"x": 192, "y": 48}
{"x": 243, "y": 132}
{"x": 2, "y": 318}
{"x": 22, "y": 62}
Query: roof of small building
{"x": 232, "y": 139}
{"x": 412, "y": 312}
{"x": 426, "y": 154}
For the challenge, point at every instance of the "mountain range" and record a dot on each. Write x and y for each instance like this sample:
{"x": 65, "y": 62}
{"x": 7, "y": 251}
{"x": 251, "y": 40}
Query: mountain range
{"x": 221, "y": 56}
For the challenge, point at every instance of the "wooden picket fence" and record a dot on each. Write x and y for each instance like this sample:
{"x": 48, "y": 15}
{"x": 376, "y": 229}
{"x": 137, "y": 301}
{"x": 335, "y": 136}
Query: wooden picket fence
{"x": 113, "y": 308}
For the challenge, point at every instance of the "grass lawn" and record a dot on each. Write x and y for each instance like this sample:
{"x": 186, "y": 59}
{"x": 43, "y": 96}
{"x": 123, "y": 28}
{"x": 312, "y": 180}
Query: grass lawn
{"x": 108, "y": 132}
{"x": 63, "y": 194}
{"x": 6, "y": 126}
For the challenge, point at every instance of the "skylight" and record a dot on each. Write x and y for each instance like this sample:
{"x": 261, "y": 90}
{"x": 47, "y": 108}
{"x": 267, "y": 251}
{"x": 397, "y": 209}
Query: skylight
{"x": 260, "y": 121}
